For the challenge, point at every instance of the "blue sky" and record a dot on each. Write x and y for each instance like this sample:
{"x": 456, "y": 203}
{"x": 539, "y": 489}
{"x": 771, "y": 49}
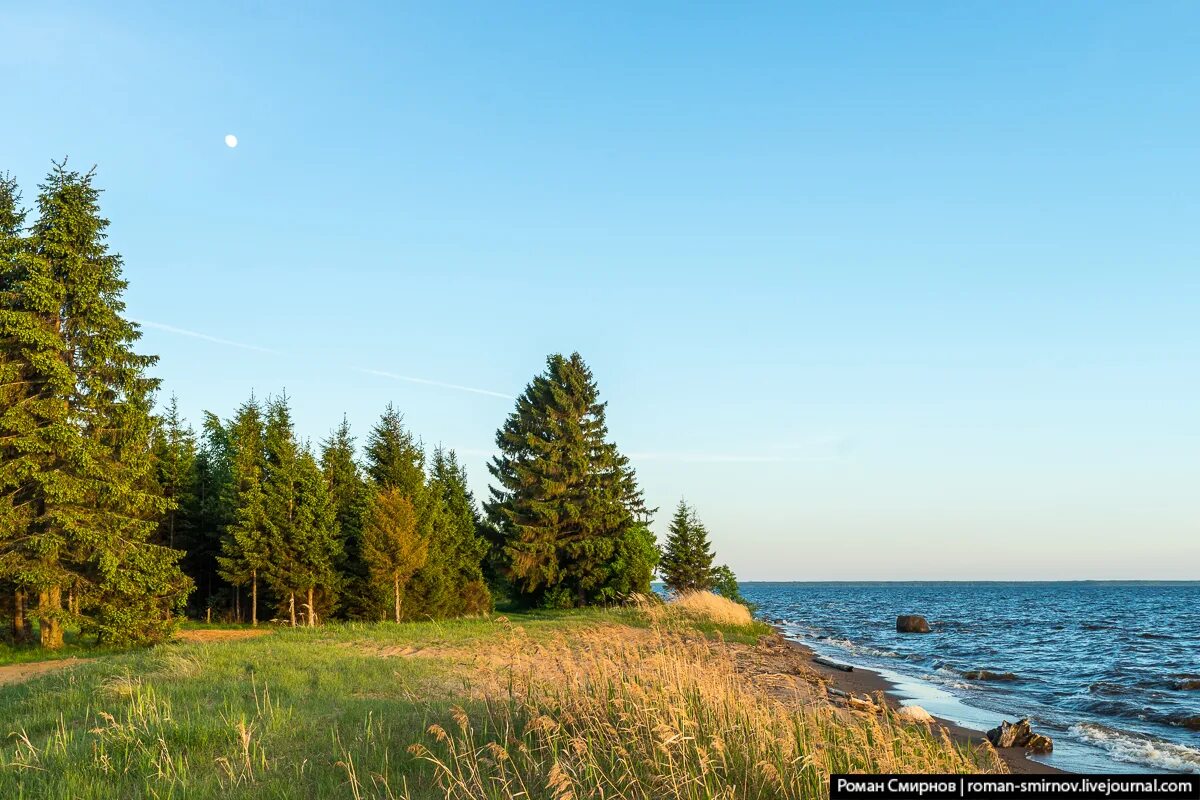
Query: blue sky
{"x": 887, "y": 292}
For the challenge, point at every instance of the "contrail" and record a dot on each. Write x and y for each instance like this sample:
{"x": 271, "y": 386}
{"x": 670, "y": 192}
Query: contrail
{"x": 428, "y": 382}
{"x": 245, "y": 346}
{"x": 197, "y": 335}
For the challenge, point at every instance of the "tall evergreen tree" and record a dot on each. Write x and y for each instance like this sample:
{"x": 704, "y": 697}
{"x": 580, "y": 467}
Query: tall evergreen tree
{"x": 392, "y": 545}
{"x": 77, "y": 465}
{"x": 13, "y": 390}
{"x": 211, "y": 515}
{"x": 348, "y": 493}
{"x": 300, "y": 521}
{"x": 461, "y": 547}
{"x": 245, "y": 547}
{"x": 175, "y": 469}
{"x": 395, "y": 459}
{"x": 566, "y": 498}
{"x": 687, "y": 559}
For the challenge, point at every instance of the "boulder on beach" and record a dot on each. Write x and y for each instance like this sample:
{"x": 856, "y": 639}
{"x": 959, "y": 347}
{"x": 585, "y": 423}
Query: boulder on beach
{"x": 1019, "y": 734}
{"x": 911, "y": 623}
{"x": 914, "y": 714}
{"x": 988, "y": 675}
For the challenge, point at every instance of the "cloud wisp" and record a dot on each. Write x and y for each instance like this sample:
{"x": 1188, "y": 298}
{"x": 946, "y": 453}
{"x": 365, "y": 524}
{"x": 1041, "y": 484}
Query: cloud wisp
{"x": 158, "y": 326}
{"x": 430, "y": 382}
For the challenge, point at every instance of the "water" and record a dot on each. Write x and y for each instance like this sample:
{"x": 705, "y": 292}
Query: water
{"x": 1111, "y": 671}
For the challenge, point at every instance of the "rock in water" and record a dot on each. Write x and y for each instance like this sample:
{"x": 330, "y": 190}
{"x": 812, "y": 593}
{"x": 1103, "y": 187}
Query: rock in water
{"x": 988, "y": 675}
{"x": 1019, "y": 734}
{"x": 911, "y": 623}
{"x": 914, "y": 714}
{"x": 1038, "y": 744}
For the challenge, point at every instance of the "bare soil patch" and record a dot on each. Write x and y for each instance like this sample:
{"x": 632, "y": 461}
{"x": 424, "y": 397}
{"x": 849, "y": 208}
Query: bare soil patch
{"x": 17, "y": 673}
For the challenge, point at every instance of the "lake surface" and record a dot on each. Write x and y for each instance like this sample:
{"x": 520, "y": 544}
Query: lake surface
{"x": 1111, "y": 671}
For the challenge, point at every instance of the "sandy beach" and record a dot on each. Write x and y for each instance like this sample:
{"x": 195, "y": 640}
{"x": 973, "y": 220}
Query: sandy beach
{"x": 867, "y": 683}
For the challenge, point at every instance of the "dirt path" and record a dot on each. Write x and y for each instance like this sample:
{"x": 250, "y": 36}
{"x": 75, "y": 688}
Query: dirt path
{"x": 16, "y": 673}
{"x": 219, "y": 634}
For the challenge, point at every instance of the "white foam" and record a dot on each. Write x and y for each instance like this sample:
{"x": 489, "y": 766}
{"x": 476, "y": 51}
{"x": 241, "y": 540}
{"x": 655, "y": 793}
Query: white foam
{"x": 1140, "y": 749}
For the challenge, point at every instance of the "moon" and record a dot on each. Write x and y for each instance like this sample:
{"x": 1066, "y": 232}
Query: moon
{"x": 230, "y": 140}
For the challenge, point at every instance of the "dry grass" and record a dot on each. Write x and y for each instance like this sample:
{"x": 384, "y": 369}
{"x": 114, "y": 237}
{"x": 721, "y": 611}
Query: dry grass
{"x": 710, "y": 607}
{"x": 664, "y": 714}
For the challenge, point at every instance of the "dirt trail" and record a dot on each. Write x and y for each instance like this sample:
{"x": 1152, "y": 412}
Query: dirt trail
{"x": 16, "y": 673}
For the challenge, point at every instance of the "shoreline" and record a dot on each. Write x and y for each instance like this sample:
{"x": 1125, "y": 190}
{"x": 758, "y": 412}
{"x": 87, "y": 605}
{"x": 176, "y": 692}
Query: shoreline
{"x": 865, "y": 681}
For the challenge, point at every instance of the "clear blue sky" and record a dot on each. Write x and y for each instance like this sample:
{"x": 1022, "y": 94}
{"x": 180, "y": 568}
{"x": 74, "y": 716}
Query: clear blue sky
{"x": 888, "y": 291}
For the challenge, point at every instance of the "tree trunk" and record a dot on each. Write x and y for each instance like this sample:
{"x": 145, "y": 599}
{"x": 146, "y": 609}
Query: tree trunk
{"x": 18, "y": 623}
{"x": 292, "y": 607}
{"x": 397, "y": 594}
{"x": 254, "y": 598}
{"x": 312, "y": 614}
{"x": 237, "y": 604}
{"x": 50, "y": 605}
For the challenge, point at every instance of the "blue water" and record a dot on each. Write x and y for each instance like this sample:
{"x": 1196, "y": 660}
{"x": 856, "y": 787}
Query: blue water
{"x": 1111, "y": 671}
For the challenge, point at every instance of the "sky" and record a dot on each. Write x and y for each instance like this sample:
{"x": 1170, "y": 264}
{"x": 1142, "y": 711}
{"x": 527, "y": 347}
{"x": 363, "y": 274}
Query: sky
{"x": 887, "y": 291}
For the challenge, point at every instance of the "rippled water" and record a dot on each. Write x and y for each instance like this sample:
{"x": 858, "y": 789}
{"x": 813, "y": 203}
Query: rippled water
{"x": 1110, "y": 670}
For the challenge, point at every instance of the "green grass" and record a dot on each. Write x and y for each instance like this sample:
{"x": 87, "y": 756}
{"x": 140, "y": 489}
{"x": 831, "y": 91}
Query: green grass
{"x": 331, "y": 712}
{"x": 75, "y": 646}
{"x": 290, "y": 714}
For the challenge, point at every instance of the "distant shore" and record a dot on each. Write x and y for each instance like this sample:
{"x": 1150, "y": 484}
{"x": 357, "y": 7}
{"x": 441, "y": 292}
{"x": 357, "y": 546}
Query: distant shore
{"x": 866, "y": 682}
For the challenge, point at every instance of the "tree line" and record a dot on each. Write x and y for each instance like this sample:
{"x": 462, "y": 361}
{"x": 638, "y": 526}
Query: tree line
{"x": 115, "y": 520}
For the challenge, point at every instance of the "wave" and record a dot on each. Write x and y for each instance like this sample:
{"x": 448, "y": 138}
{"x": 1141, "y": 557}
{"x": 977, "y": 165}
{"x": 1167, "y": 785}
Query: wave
{"x": 858, "y": 649}
{"x": 1134, "y": 749}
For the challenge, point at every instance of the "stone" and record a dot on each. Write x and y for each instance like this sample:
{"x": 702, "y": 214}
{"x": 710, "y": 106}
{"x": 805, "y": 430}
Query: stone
{"x": 1019, "y": 734}
{"x": 914, "y": 714}
{"x": 911, "y": 623}
{"x": 988, "y": 675}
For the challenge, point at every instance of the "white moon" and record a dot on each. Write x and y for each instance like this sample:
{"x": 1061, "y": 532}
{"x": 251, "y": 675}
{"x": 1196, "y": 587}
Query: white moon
{"x": 230, "y": 140}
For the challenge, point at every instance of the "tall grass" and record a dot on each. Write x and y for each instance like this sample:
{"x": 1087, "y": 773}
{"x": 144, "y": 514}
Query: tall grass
{"x": 663, "y": 716}
{"x": 616, "y": 704}
{"x": 711, "y": 607}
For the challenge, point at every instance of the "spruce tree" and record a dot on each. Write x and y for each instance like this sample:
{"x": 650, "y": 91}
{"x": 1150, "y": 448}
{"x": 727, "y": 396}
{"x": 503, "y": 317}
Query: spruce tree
{"x": 462, "y": 546}
{"x": 348, "y": 493}
{"x": 395, "y": 459}
{"x": 566, "y": 498}
{"x": 175, "y": 455}
{"x": 210, "y": 516}
{"x": 245, "y": 550}
{"x": 301, "y": 533}
{"x": 687, "y": 559}
{"x": 392, "y": 545}
{"x": 13, "y": 390}
{"x": 77, "y": 463}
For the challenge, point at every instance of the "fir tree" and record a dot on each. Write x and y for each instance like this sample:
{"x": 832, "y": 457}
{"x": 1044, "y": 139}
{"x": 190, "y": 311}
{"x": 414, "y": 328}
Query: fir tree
{"x": 461, "y": 547}
{"x": 396, "y": 460}
{"x": 301, "y": 533}
{"x": 348, "y": 493}
{"x": 567, "y": 498}
{"x": 687, "y": 559}
{"x": 77, "y": 465}
{"x": 245, "y": 551}
{"x": 13, "y": 390}
{"x": 392, "y": 546}
{"x": 175, "y": 469}
{"x": 210, "y": 515}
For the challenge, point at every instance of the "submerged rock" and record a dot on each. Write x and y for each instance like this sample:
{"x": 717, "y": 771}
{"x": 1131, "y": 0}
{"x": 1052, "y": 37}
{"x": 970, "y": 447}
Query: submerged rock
{"x": 911, "y": 623}
{"x": 988, "y": 675}
{"x": 1019, "y": 734}
{"x": 914, "y": 714}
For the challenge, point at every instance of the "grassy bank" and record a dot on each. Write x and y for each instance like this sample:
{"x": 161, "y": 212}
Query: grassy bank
{"x": 618, "y": 704}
